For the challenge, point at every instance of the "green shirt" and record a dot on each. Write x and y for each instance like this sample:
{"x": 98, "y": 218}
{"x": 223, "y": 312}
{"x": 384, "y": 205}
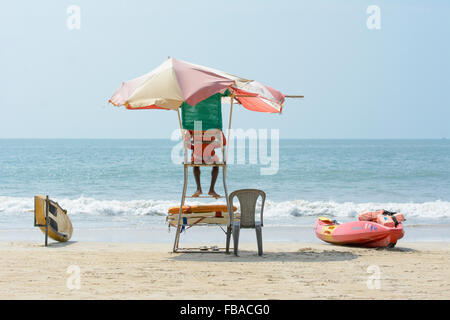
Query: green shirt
{"x": 208, "y": 111}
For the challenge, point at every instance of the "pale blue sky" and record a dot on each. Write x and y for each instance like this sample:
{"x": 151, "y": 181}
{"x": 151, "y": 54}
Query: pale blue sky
{"x": 359, "y": 83}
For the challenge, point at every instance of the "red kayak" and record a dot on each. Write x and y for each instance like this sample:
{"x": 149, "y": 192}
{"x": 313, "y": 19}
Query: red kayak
{"x": 361, "y": 233}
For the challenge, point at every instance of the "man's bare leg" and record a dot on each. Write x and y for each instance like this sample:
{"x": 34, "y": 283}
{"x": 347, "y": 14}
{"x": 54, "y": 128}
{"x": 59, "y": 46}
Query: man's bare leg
{"x": 197, "y": 182}
{"x": 214, "y": 174}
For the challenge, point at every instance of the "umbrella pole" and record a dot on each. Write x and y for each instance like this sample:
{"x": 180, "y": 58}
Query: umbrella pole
{"x": 182, "y": 135}
{"x": 229, "y": 127}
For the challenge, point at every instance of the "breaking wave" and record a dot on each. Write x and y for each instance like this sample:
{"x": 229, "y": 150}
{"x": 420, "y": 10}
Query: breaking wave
{"x": 284, "y": 209}
{"x": 302, "y": 208}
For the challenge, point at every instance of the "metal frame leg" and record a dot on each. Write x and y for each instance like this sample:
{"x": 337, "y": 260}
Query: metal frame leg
{"x": 230, "y": 210}
{"x": 47, "y": 203}
{"x": 177, "y": 235}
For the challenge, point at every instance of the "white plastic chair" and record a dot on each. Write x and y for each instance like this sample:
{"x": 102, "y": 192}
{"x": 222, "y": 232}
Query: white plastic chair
{"x": 247, "y": 200}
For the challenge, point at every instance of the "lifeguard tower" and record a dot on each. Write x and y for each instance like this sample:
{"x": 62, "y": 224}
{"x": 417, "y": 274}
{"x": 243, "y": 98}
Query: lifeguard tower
{"x": 204, "y": 120}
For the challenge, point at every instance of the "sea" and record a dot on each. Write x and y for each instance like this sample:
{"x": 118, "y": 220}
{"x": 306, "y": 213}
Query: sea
{"x": 120, "y": 190}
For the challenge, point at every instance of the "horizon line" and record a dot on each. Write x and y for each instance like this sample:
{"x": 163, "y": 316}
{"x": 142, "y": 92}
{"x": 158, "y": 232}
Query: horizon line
{"x": 442, "y": 138}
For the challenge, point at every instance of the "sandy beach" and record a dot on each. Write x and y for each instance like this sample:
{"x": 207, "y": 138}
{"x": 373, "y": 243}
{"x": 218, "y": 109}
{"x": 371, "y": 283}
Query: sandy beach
{"x": 28, "y": 270}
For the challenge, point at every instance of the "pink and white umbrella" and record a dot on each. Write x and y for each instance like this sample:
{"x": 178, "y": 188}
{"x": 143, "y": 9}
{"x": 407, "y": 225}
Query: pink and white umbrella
{"x": 176, "y": 81}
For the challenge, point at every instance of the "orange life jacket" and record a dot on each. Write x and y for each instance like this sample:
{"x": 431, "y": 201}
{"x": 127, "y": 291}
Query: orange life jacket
{"x": 383, "y": 217}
